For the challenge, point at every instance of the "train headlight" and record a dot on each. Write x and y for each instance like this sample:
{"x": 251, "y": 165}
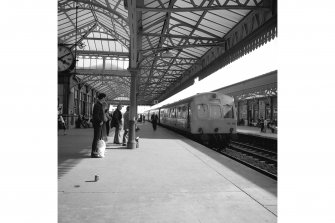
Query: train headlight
{"x": 216, "y": 129}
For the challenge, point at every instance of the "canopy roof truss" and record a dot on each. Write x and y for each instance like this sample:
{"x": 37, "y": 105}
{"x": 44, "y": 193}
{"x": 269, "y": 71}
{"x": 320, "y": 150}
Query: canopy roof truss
{"x": 173, "y": 41}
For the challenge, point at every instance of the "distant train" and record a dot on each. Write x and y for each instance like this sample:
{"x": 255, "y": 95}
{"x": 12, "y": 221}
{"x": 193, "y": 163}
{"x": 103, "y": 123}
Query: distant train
{"x": 209, "y": 118}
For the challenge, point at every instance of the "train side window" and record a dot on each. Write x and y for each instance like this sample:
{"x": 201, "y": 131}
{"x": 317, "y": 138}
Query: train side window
{"x": 203, "y": 111}
{"x": 179, "y": 112}
{"x": 215, "y": 112}
{"x": 173, "y": 113}
{"x": 184, "y": 112}
{"x": 189, "y": 112}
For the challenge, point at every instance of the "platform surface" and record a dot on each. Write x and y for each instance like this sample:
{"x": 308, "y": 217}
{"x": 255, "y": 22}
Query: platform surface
{"x": 250, "y": 130}
{"x": 167, "y": 179}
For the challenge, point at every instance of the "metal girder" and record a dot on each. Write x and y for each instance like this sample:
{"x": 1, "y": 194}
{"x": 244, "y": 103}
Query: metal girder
{"x": 84, "y": 36}
{"x": 254, "y": 30}
{"x": 116, "y": 102}
{"x": 124, "y": 41}
{"x": 211, "y": 51}
{"x": 161, "y": 41}
{"x": 104, "y": 73}
{"x": 102, "y": 53}
{"x": 73, "y": 33}
{"x": 106, "y": 39}
{"x": 182, "y": 37}
{"x": 200, "y": 7}
{"x": 166, "y": 48}
{"x": 97, "y": 7}
{"x": 195, "y": 27}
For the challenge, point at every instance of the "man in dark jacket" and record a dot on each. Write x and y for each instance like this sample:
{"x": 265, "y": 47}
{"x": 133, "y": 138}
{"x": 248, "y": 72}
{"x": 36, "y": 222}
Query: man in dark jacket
{"x": 98, "y": 120}
{"x": 117, "y": 122}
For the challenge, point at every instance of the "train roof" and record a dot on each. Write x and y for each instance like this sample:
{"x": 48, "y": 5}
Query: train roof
{"x": 189, "y": 98}
{"x": 185, "y": 100}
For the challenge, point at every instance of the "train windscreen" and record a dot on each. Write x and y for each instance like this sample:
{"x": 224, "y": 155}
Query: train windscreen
{"x": 203, "y": 111}
{"x": 215, "y": 112}
{"x": 228, "y": 111}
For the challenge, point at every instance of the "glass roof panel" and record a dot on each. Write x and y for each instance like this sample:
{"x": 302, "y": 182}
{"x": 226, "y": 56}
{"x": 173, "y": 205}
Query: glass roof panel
{"x": 189, "y": 20}
{"x": 233, "y": 15}
{"x": 155, "y": 27}
{"x": 212, "y": 29}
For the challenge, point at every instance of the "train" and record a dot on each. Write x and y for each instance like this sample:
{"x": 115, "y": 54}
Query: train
{"x": 209, "y": 118}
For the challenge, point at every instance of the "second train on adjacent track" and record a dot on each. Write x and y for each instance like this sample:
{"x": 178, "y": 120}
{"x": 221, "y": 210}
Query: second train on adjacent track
{"x": 209, "y": 118}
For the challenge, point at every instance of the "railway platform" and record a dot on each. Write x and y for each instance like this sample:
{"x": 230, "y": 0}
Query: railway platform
{"x": 248, "y": 130}
{"x": 169, "y": 178}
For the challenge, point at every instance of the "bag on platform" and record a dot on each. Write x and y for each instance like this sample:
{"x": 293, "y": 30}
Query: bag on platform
{"x": 101, "y": 147}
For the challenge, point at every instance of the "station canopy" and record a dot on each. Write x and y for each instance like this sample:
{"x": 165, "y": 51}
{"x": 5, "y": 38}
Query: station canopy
{"x": 176, "y": 41}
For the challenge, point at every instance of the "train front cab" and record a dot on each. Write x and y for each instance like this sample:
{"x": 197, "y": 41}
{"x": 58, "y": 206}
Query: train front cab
{"x": 213, "y": 121}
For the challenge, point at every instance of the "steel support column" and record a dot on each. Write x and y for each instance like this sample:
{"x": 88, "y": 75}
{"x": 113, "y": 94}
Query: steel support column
{"x": 133, "y": 24}
{"x": 133, "y": 105}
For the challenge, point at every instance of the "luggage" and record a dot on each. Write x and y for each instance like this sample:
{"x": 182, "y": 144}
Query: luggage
{"x": 101, "y": 148}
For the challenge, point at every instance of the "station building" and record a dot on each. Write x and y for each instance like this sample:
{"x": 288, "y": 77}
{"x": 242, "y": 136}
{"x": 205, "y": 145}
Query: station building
{"x": 255, "y": 98}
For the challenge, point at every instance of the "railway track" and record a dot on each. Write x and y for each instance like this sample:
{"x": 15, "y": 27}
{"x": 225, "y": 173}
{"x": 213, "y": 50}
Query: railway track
{"x": 260, "y": 159}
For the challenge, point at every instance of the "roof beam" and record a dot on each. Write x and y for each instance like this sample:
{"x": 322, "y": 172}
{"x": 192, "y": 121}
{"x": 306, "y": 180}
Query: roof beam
{"x": 84, "y": 36}
{"x": 107, "y": 39}
{"x": 212, "y": 8}
{"x": 94, "y": 6}
{"x": 80, "y": 30}
{"x": 183, "y": 47}
{"x": 102, "y": 53}
{"x": 201, "y": 6}
{"x": 111, "y": 73}
{"x": 161, "y": 39}
{"x": 182, "y": 36}
{"x": 194, "y": 29}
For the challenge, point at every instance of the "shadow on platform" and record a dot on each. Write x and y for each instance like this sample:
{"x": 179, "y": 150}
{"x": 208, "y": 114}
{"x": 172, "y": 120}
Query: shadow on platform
{"x": 72, "y": 148}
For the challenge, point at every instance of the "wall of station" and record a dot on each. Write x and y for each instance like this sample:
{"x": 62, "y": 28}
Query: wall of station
{"x": 250, "y": 111}
{"x": 74, "y": 99}
{"x": 255, "y": 98}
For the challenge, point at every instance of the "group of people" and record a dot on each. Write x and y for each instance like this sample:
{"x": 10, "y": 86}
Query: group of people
{"x": 103, "y": 122}
{"x": 265, "y": 124}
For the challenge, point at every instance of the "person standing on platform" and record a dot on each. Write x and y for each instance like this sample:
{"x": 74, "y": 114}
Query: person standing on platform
{"x": 154, "y": 120}
{"x": 143, "y": 118}
{"x": 61, "y": 123}
{"x": 98, "y": 121}
{"x": 117, "y": 122}
{"x": 104, "y": 125}
{"x": 265, "y": 125}
{"x": 262, "y": 124}
{"x": 108, "y": 118}
{"x": 125, "y": 126}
